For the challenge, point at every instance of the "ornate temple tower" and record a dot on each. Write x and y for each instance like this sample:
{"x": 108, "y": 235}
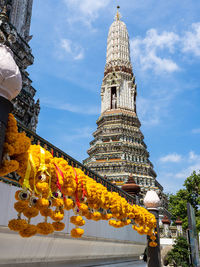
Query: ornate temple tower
{"x": 15, "y": 18}
{"x": 118, "y": 148}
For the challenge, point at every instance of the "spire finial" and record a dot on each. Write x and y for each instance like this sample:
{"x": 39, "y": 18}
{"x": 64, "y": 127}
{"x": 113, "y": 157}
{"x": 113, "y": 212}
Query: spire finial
{"x": 118, "y": 15}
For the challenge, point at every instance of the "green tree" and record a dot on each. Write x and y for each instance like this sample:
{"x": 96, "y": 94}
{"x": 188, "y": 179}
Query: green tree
{"x": 191, "y": 194}
{"x": 179, "y": 255}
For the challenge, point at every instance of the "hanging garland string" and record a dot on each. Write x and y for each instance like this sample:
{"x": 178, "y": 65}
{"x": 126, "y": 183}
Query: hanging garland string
{"x": 76, "y": 192}
{"x": 51, "y": 186}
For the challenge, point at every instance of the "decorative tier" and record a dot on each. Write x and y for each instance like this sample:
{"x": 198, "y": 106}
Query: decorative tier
{"x": 166, "y": 220}
{"x": 130, "y": 186}
{"x": 178, "y": 221}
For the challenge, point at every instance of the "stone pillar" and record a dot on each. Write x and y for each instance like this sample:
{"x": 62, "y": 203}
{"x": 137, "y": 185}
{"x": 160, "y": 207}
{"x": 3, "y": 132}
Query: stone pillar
{"x": 118, "y": 96}
{"x": 166, "y": 223}
{"x": 179, "y": 223}
{"x": 152, "y": 202}
{"x": 5, "y": 108}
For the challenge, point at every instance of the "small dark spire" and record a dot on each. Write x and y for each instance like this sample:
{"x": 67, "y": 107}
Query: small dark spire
{"x": 130, "y": 186}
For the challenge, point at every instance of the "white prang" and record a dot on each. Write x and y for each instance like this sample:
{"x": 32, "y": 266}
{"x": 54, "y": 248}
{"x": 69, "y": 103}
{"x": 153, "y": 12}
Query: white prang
{"x": 151, "y": 199}
{"x": 10, "y": 76}
{"x": 116, "y": 75}
{"x": 118, "y": 43}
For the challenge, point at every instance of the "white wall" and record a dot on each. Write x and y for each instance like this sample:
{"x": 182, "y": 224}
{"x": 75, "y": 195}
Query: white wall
{"x": 99, "y": 241}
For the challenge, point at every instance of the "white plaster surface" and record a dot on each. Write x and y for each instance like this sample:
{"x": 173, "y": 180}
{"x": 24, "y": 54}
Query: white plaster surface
{"x": 99, "y": 241}
{"x": 10, "y": 77}
{"x": 166, "y": 241}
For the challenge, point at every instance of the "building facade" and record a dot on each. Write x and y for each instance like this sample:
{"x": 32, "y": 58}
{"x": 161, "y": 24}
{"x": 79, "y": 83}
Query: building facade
{"x": 118, "y": 148}
{"x": 15, "y": 19}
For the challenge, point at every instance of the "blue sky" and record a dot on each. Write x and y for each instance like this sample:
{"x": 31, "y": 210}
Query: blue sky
{"x": 69, "y": 45}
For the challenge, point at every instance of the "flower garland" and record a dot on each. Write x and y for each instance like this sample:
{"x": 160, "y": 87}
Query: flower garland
{"x": 15, "y": 148}
{"x": 50, "y": 186}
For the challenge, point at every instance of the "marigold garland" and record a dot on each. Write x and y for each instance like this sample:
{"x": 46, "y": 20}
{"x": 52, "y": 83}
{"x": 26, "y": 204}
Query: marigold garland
{"x": 50, "y": 185}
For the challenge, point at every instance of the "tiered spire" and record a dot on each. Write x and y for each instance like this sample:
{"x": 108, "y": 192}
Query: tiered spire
{"x": 118, "y": 148}
{"x": 118, "y": 43}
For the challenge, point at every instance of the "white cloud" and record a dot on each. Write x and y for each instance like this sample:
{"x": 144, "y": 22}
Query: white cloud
{"x": 74, "y": 50}
{"x": 191, "y": 162}
{"x": 154, "y": 50}
{"x": 186, "y": 172}
{"x": 174, "y": 157}
{"x": 82, "y": 109}
{"x": 194, "y": 157}
{"x": 196, "y": 131}
{"x": 85, "y": 10}
{"x": 191, "y": 40}
{"x": 145, "y": 51}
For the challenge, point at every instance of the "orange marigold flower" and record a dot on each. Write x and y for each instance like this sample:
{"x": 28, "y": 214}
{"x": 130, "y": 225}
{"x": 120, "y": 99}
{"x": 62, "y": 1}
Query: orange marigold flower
{"x": 58, "y": 226}
{"x": 45, "y": 228}
{"x": 30, "y": 212}
{"x": 17, "y": 224}
{"x": 28, "y": 231}
{"x": 20, "y": 205}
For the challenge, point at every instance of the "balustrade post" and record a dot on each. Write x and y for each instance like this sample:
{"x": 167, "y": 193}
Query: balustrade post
{"x": 152, "y": 203}
{"x": 166, "y": 223}
{"x": 179, "y": 230}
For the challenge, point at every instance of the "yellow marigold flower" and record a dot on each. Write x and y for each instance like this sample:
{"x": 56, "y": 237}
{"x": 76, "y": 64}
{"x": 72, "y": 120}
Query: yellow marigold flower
{"x": 68, "y": 191}
{"x": 57, "y": 216}
{"x": 96, "y": 216}
{"x": 153, "y": 244}
{"x": 68, "y": 204}
{"x": 77, "y": 220}
{"x": 42, "y": 187}
{"x": 83, "y": 207}
{"x": 42, "y": 203}
{"x": 58, "y": 202}
{"x": 77, "y": 232}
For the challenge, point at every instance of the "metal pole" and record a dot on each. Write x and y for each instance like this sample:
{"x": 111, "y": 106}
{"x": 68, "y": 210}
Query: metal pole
{"x": 153, "y": 253}
{"x": 5, "y": 108}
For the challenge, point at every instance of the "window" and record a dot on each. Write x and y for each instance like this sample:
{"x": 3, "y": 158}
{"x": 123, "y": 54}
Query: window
{"x": 113, "y": 103}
